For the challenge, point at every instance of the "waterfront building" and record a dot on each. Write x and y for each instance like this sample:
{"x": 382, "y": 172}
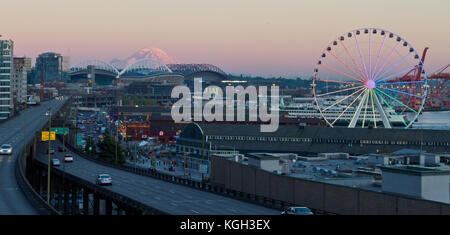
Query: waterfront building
{"x": 308, "y": 140}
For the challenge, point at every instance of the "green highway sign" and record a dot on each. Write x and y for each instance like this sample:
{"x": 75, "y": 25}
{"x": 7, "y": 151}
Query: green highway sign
{"x": 80, "y": 139}
{"x": 60, "y": 131}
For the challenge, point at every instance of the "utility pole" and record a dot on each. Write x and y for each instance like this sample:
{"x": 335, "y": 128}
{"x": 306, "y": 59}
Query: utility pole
{"x": 49, "y": 144}
{"x": 24, "y": 128}
{"x": 116, "y": 140}
{"x": 203, "y": 152}
{"x": 64, "y": 134}
{"x": 135, "y": 155}
{"x": 184, "y": 162}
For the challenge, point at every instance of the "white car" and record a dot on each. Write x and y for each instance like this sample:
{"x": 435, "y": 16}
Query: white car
{"x": 68, "y": 158}
{"x": 104, "y": 179}
{"x": 55, "y": 162}
{"x": 6, "y": 149}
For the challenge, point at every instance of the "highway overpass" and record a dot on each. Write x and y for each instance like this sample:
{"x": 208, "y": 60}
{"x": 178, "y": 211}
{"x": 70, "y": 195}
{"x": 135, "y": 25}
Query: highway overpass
{"x": 161, "y": 195}
{"x": 12, "y": 199}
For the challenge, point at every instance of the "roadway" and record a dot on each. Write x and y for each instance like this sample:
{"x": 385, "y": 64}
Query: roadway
{"x": 158, "y": 194}
{"x": 12, "y": 200}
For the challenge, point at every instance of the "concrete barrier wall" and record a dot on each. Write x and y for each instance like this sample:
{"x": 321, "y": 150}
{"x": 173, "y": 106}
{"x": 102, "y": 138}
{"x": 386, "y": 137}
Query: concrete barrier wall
{"x": 310, "y": 193}
{"x": 235, "y": 177}
{"x": 341, "y": 200}
{"x": 373, "y": 203}
{"x": 445, "y": 210}
{"x": 282, "y": 188}
{"x": 249, "y": 180}
{"x": 408, "y": 206}
{"x": 262, "y": 179}
{"x": 317, "y": 195}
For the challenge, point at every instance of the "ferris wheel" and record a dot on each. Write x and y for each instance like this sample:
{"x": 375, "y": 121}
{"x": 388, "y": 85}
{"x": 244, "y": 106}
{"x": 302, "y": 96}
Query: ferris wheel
{"x": 369, "y": 78}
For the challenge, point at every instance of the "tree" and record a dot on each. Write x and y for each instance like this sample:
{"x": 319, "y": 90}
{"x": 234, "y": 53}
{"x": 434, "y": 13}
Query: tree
{"x": 384, "y": 150}
{"x": 90, "y": 146}
{"x": 108, "y": 150}
{"x": 134, "y": 100}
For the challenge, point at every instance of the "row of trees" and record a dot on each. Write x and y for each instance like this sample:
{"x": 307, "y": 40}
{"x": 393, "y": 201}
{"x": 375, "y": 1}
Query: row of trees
{"x": 289, "y": 82}
{"x": 110, "y": 149}
{"x": 134, "y": 100}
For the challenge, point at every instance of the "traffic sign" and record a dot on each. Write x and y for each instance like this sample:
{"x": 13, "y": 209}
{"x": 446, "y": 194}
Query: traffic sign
{"x": 60, "y": 131}
{"x": 80, "y": 139}
{"x": 46, "y": 135}
{"x": 203, "y": 168}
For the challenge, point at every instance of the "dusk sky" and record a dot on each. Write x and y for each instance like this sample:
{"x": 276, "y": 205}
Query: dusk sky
{"x": 258, "y": 37}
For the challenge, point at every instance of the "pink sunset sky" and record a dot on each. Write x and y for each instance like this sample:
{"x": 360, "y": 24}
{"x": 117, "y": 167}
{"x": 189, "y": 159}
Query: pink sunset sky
{"x": 258, "y": 37}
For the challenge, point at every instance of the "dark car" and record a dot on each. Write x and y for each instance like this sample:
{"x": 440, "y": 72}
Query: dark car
{"x": 51, "y": 150}
{"x": 297, "y": 210}
{"x": 62, "y": 149}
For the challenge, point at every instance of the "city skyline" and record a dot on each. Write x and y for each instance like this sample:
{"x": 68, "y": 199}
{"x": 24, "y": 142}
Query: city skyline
{"x": 273, "y": 39}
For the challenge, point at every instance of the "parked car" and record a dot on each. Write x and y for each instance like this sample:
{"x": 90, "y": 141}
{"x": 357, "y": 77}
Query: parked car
{"x": 68, "y": 158}
{"x": 55, "y": 162}
{"x": 6, "y": 149}
{"x": 104, "y": 179}
{"x": 297, "y": 210}
{"x": 52, "y": 151}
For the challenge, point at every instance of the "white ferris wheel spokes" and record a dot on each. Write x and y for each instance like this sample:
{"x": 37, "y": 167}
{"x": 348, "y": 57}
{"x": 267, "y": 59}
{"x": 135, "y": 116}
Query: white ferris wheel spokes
{"x": 369, "y": 78}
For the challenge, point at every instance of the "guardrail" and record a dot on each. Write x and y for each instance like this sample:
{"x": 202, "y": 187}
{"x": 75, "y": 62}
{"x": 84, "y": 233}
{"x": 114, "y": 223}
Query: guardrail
{"x": 105, "y": 192}
{"x": 207, "y": 187}
{"x": 33, "y": 197}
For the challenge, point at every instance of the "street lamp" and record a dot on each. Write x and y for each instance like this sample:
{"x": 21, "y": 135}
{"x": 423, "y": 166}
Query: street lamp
{"x": 48, "y": 164}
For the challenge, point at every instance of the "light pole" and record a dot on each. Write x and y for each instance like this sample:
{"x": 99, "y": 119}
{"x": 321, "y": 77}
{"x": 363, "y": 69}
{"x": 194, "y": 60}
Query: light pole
{"x": 135, "y": 155}
{"x": 116, "y": 140}
{"x": 49, "y": 144}
{"x": 203, "y": 152}
{"x": 24, "y": 128}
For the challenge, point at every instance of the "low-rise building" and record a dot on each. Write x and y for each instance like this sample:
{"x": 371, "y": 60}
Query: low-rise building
{"x": 418, "y": 182}
{"x": 267, "y": 162}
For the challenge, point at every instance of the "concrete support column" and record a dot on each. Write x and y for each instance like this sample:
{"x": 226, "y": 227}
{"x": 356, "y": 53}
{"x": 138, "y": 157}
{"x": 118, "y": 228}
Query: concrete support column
{"x": 66, "y": 200}
{"x": 108, "y": 207}
{"x": 35, "y": 180}
{"x": 53, "y": 188}
{"x": 85, "y": 202}
{"x": 96, "y": 204}
{"x": 59, "y": 203}
{"x": 74, "y": 198}
{"x": 41, "y": 182}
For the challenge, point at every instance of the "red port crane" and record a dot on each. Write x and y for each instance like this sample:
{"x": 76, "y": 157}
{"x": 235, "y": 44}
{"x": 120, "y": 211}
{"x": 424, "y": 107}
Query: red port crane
{"x": 413, "y": 88}
{"x": 438, "y": 90}
{"x": 438, "y": 94}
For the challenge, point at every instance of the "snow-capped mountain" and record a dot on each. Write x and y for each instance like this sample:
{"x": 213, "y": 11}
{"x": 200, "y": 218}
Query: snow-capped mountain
{"x": 153, "y": 53}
